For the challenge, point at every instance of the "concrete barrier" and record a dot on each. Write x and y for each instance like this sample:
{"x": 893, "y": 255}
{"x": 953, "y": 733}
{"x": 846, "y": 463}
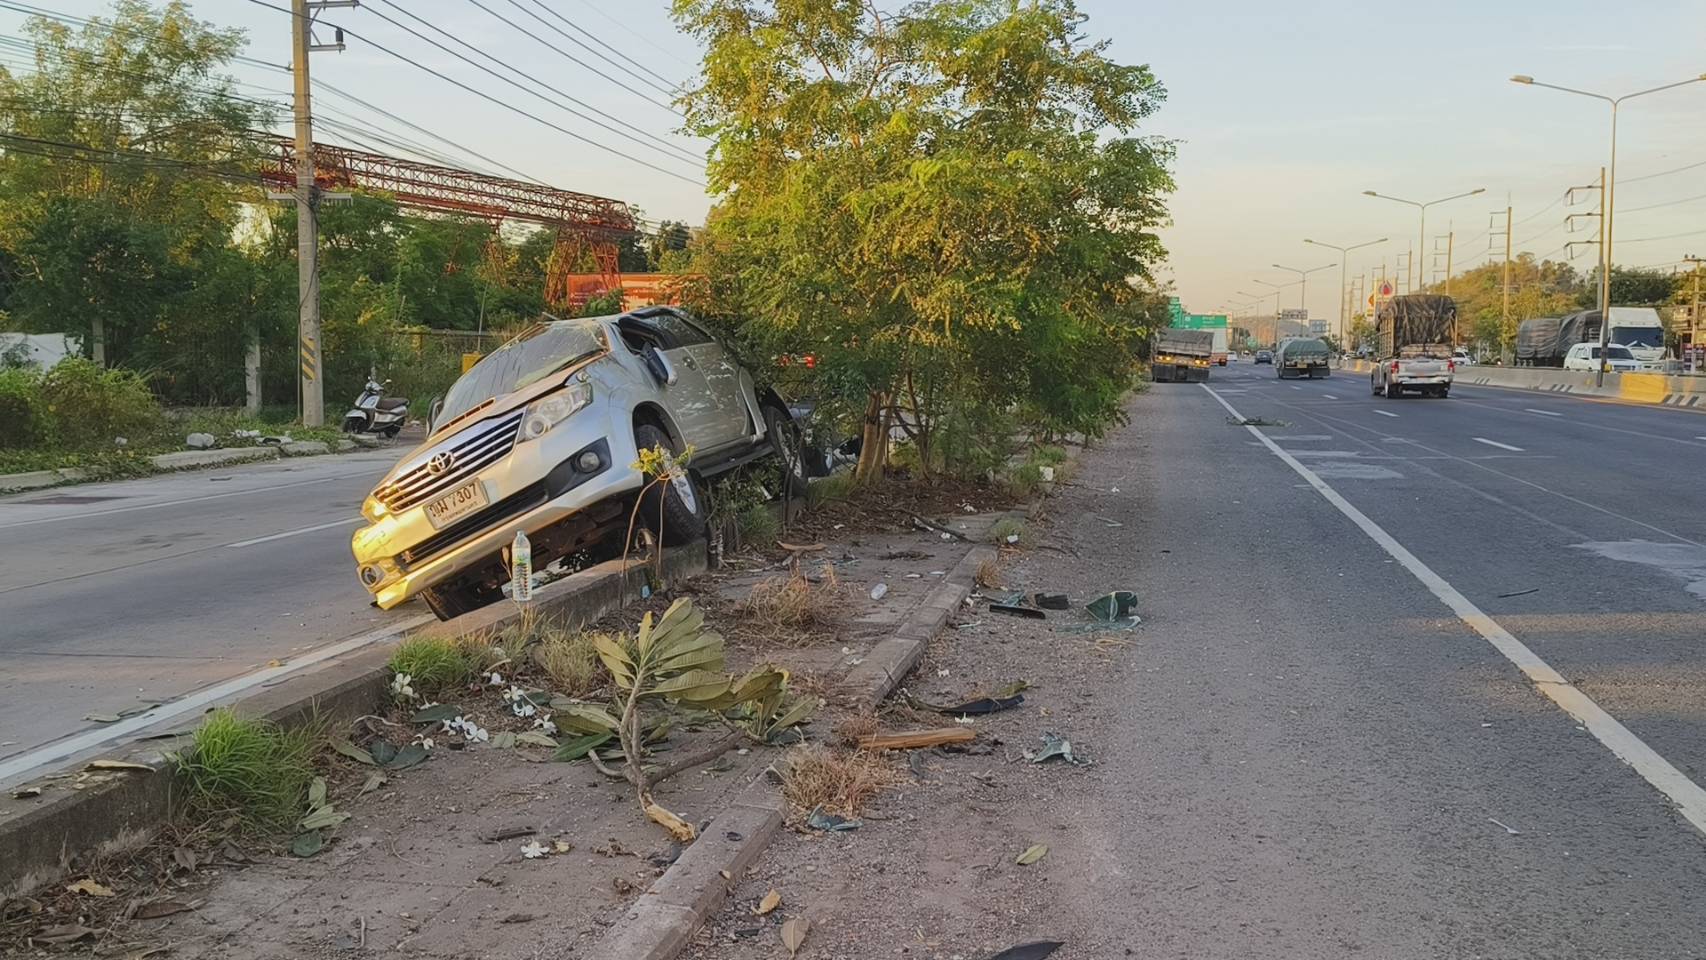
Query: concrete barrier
{"x": 1672, "y": 390}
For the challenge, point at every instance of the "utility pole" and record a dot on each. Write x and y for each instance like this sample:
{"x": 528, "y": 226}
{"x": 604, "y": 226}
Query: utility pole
{"x": 310, "y": 359}
{"x": 1450, "y": 238}
{"x": 1694, "y": 311}
{"x": 1507, "y": 334}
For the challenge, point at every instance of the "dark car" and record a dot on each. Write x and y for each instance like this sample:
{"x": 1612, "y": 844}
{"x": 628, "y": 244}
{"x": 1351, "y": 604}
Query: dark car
{"x": 1264, "y": 356}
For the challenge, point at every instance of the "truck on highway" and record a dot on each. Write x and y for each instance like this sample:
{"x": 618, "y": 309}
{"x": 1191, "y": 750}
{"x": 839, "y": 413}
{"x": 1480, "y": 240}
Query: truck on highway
{"x": 1218, "y": 353}
{"x": 1301, "y": 357}
{"x": 1416, "y": 335}
{"x": 1545, "y": 341}
{"x": 1181, "y": 356}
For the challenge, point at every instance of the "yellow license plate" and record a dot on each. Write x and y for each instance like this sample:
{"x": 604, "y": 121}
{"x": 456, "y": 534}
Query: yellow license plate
{"x": 458, "y": 504}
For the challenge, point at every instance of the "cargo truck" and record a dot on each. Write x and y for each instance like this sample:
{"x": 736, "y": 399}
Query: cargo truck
{"x": 1416, "y": 335}
{"x": 1544, "y": 341}
{"x": 1301, "y": 357}
{"x": 1218, "y": 352}
{"x": 1181, "y": 356}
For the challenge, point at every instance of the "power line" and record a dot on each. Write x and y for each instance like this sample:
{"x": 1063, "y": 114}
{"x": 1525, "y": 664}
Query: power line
{"x": 630, "y": 31}
{"x": 1669, "y": 203}
{"x": 1542, "y": 211}
{"x": 659, "y": 141}
{"x": 491, "y": 99}
{"x": 1662, "y": 173}
{"x": 1668, "y": 236}
{"x": 668, "y": 87}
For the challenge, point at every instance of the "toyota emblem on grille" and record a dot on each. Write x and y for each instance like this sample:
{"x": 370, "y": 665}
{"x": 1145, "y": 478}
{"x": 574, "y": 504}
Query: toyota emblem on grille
{"x": 441, "y": 463}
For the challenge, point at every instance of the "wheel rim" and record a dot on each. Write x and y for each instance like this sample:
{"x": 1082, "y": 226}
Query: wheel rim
{"x": 683, "y": 485}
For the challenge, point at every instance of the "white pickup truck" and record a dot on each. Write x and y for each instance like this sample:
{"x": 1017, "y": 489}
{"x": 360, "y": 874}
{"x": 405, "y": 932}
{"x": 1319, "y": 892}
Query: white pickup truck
{"x": 1417, "y": 336}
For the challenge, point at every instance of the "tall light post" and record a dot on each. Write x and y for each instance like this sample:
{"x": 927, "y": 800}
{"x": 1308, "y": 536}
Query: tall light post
{"x": 1610, "y": 201}
{"x": 1303, "y": 281}
{"x": 1278, "y": 288}
{"x": 1423, "y": 207}
{"x": 1344, "y": 254}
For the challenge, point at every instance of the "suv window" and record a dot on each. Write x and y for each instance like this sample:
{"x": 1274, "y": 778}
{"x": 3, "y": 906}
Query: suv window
{"x": 678, "y": 329}
{"x": 533, "y": 355}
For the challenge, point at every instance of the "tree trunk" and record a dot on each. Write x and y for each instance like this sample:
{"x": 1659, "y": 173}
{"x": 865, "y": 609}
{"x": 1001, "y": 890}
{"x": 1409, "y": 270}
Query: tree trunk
{"x": 874, "y": 440}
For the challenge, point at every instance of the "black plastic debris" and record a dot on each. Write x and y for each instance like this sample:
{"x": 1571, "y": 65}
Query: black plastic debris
{"x": 984, "y": 705}
{"x": 1029, "y": 951}
{"x": 1052, "y": 601}
{"x": 1015, "y": 610}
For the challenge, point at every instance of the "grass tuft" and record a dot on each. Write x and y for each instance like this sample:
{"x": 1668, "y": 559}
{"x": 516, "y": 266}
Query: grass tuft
{"x": 988, "y": 573}
{"x": 836, "y": 486}
{"x": 757, "y": 525}
{"x": 570, "y": 660}
{"x": 793, "y": 603}
{"x": 1009, "y": 527}
{"x": 436, "y": 664}
{"x": 253, "y": 769}
{"x": 841, "y": 782}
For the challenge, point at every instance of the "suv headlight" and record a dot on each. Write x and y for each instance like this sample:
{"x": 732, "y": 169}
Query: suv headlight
{"x": 554, "y": 408}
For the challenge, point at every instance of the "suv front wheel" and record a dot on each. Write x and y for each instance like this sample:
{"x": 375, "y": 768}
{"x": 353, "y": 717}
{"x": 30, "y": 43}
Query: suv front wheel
{"x": 451, "y": 600}
{"x": 685, "y": 511}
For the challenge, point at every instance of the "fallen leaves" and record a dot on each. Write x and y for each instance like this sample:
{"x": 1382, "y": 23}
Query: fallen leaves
{"x": 1032, "y": 854}
{"x": 794, "y": 934}
{"x": 771, "y": 901}
{"x": 91, "y": 887}
{"x": 118, "y": 765}
{"x": 156, "y": 909}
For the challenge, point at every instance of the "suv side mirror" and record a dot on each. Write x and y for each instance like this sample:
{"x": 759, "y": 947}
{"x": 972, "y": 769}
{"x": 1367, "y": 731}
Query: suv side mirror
{"x": 659, "y": 365}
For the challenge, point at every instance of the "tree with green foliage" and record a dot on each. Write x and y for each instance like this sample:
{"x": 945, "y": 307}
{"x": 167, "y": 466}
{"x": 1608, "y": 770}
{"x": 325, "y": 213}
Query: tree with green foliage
{"x": 945, "y": 204}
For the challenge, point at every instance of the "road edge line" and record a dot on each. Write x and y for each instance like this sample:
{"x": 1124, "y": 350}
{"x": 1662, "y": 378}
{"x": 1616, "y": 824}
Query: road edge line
{"x": 1688, "y": 797}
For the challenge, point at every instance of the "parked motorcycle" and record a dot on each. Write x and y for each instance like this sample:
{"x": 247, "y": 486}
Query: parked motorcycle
{"x": 376, "y": 413}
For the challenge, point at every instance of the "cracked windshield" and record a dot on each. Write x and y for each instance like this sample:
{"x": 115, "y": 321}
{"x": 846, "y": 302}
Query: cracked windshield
{"x": 852, "y": 479}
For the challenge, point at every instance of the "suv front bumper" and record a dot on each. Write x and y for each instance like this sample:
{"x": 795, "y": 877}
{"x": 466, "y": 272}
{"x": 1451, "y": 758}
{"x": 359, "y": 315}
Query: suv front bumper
{"x": 537, "y": 485}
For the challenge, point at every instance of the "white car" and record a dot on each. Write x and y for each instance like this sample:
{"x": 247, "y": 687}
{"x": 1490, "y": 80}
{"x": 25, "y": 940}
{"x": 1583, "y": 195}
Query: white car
{"x": 1461, "y": 357}
{"x": 1618, "y": 359}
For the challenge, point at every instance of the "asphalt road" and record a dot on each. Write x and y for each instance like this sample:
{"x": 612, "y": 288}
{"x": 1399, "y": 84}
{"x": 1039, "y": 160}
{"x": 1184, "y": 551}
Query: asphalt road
{"x": 1309, "y": 753}
{"x": 116, "y": 596}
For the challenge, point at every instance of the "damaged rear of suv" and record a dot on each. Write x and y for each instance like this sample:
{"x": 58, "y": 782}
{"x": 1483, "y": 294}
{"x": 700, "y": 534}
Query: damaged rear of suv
{"x": 541, "y": 436}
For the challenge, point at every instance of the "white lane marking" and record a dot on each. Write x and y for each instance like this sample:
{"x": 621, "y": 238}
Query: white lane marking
{"x": 1386, "y": 413}
{"x": 1689, "y": 797}
{"x": 1495, "y": 443}
{"x": 1329, "y": 396}
{"x": 291, "y": 533}
{"x": 85, "y": 515}
{"x": 26, "y": 763}
{"x": 1294, "y": 386}
{"x": 1544, "y": 413}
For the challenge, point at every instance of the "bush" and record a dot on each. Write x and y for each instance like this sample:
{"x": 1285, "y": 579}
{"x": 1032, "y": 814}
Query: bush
{"x": 24, "y": 419}
{"x": 90, "y": 406}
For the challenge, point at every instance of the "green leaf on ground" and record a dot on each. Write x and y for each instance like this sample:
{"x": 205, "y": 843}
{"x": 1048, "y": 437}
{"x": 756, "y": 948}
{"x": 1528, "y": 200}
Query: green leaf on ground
{"x": 504, "y": 740}
{"x": 579, "y": 747}
{"x": 307, "y": 844}
{"x": 323, "y": 818}
{"x": 353, "y": 752}
{"x": 375, "y": 780}
{"x": 407, "y": 757}
{"x": 437, "y": 713}
{"x": 316, "y": 793}
{"x": 536, "y": 738}
{"x": 1032, "y": 854}
{"x": 384, "y": 751}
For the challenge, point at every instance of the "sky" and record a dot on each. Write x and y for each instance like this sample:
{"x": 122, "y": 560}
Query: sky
{"x": 1282, "y": 115}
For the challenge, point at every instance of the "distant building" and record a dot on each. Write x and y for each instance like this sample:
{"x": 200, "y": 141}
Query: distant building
{"x": 40, "y": 350}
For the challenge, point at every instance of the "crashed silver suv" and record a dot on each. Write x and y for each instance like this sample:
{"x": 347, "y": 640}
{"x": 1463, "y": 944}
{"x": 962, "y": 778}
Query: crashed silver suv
{"x": 541, "y": 436}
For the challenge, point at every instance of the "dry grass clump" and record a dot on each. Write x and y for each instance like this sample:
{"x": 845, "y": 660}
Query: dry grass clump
{"x": 988, "y": 573}
{"x": 841, "y": 782}
{"x": 784, "y": 609}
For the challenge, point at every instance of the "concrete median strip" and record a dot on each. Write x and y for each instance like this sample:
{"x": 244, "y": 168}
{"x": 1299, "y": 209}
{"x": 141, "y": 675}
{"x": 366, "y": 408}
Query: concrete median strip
{"x": 40, "y": 837}
{"x": 177, "y": 460}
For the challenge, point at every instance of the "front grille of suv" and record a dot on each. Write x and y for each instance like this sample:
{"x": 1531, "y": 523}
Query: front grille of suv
{"x": 468, "y": 452}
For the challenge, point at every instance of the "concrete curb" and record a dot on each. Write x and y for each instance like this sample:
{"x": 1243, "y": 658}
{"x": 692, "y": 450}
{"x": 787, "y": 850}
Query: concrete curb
{"x": 181, "y": 460}
{"x": 661, "y": 924}
{"x": 211, "y": 458}
{"x": 36, "y": 479}
{"x": 40, "y": 841}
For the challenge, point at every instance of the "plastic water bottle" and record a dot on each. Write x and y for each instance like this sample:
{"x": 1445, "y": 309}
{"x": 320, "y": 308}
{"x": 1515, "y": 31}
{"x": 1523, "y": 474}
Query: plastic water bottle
{"x": 521, "y": 568}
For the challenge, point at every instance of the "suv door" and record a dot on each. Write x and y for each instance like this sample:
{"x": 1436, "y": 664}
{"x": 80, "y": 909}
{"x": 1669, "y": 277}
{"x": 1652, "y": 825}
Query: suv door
{"x": 719, "y": 369}
{"x": 690, "y": 399}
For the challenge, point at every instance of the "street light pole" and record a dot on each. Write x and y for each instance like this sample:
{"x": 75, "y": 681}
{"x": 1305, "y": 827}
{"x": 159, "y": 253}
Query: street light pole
{"x": 1423, "y": 207}
{"x": 1278, "y": 287}
{"x": 1610, "y": 201}
{"x": 1344, "y": 253}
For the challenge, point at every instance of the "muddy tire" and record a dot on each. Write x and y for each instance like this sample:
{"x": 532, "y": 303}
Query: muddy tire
{"x": 449, "y": 601}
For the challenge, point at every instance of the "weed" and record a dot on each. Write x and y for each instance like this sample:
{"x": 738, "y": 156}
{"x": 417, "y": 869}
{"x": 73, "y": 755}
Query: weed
{"x": 840, "y": 782}
{"x": 836, "y": 486}
{"x": 1050, "y": 455}
{"x": 1025, "y": 479}
{"x": 435, "y": 664}
{"x": 1009, "y": 531}
{"x": 254, "y": 769}
{"x": 792, "y": 603}
{"x": 757, "y": 525}
{"x": 989, "y": 573}
{"x": 569, "y": 658}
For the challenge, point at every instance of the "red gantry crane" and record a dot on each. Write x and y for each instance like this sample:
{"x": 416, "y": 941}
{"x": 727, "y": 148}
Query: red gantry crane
{"x": 582, "y": 222}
